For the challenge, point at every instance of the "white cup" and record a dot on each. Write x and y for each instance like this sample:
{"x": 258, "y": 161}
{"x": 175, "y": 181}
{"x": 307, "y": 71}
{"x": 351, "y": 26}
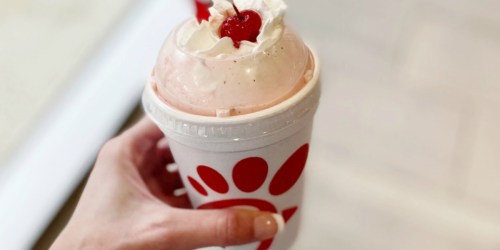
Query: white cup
{"x": 254, "y": 160}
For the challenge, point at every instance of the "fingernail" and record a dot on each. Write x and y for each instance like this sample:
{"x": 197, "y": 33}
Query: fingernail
{"x": 268, "y": 225}
{"x": 280, "y": 221}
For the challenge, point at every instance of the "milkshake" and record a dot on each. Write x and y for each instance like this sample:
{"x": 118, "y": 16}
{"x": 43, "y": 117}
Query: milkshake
{"x": 235, "y": 93}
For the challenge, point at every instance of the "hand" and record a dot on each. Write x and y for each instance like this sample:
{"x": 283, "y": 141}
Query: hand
{"x": 129, "y": 203}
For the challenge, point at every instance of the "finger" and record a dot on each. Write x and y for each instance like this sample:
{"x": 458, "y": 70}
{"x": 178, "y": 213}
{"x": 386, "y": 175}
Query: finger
{"x": 164, "y": 150}
{"x": 145, "y": 145}
{"x": 181, "y": 201}
{"x": 162, "y": 170}
{"x": 226, "y": 227}
{"x": 170, "y": 181}
{"x": 164, "y": 184}
{"x": 142, "y": 138}
{"x": 145, "y": 129}
{"x": 154, "y": 165}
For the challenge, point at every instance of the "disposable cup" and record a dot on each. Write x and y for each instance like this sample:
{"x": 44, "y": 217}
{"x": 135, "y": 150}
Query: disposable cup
{"x": 253, "y": 161}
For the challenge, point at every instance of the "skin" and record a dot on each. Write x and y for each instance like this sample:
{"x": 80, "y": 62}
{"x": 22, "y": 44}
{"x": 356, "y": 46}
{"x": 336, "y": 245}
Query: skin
{"x": 129, "y": 203}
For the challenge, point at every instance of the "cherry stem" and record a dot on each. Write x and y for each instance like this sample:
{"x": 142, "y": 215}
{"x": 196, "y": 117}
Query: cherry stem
{"x": 237, "y": 12}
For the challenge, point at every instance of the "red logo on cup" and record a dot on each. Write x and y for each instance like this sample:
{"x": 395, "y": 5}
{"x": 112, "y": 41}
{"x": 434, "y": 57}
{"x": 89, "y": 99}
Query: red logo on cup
{"x": 248, "y": 176}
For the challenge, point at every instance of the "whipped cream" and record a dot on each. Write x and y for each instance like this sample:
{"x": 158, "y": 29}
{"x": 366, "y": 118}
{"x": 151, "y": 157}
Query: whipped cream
{"x": 203, "y": 39}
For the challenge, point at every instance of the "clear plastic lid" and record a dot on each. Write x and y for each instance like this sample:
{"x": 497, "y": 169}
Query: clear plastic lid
{"x": 231, "y": 85}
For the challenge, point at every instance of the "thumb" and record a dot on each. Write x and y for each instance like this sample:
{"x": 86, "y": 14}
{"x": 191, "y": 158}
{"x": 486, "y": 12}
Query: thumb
{"x": 225, "y": 227}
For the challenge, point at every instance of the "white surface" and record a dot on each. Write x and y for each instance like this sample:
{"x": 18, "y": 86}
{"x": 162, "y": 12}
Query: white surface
{"x": 53, "y": 161}
{"x": 44, "y": 44}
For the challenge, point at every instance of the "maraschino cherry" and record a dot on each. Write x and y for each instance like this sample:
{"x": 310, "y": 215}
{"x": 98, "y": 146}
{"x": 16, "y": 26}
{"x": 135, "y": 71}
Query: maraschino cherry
{"x": 202, "y": 12}
{"x": 244, "y": 26}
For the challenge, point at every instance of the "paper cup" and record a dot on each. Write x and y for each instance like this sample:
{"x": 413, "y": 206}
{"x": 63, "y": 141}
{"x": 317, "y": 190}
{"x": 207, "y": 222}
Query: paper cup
{"x": 254, "y": 161}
